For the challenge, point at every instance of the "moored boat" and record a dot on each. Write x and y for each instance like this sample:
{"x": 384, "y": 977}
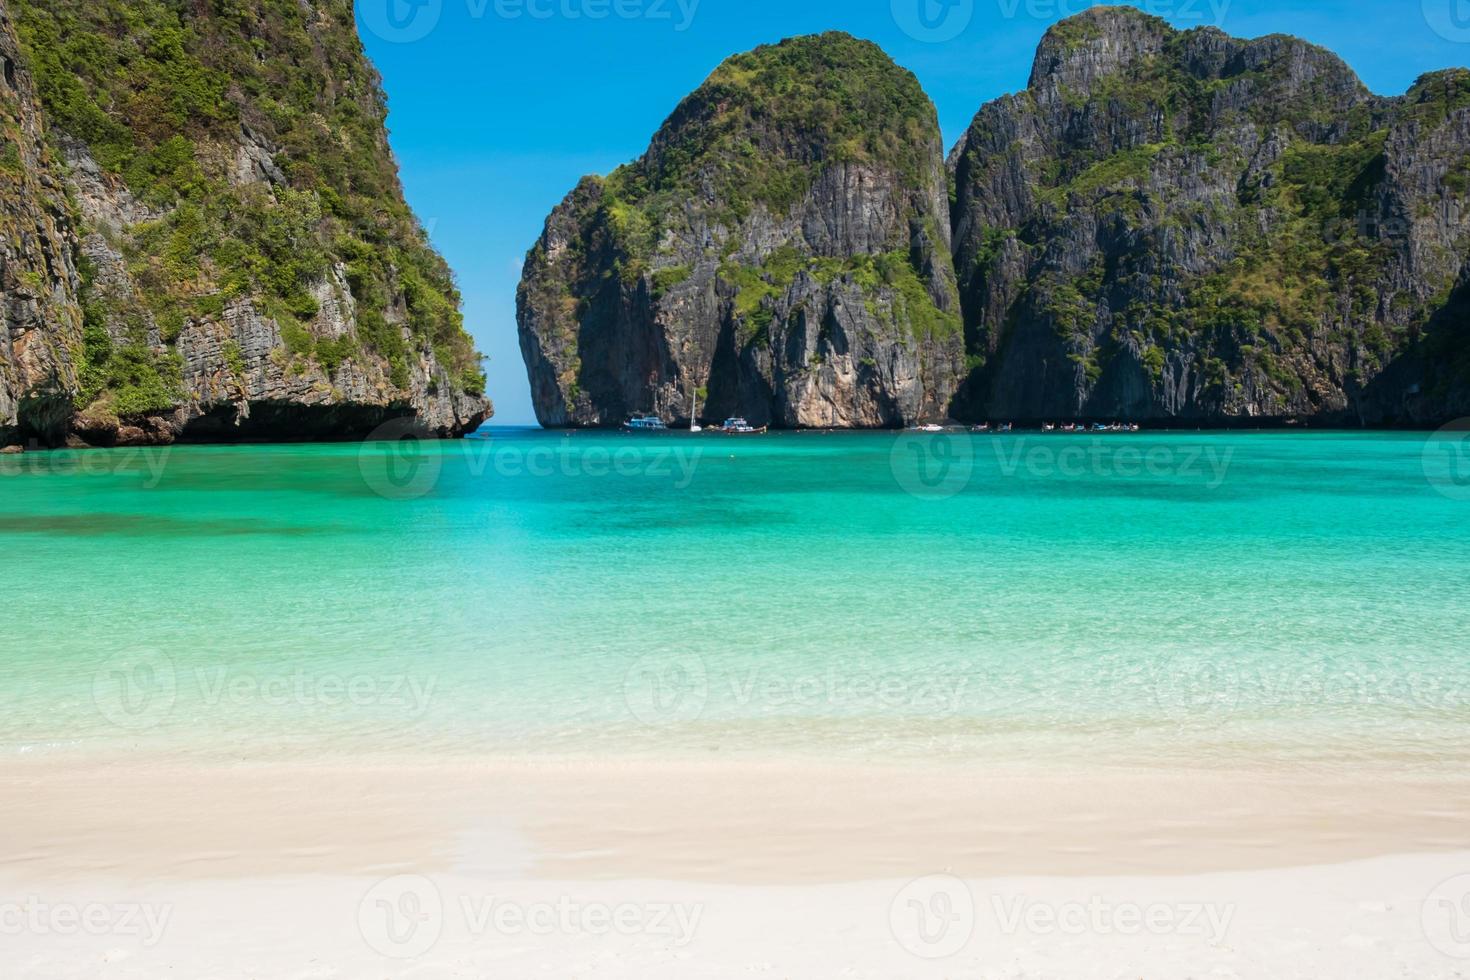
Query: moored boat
{"x": 737, "y": 426}
{"x": 645, "y": 423}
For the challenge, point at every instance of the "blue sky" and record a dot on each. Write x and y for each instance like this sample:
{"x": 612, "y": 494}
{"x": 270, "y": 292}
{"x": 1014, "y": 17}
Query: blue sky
{"x": 498, "y": 107}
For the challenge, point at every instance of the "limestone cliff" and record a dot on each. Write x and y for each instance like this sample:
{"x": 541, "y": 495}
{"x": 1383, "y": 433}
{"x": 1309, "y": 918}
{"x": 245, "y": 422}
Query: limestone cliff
{"x": 1180, "y": 227}
{"x": 783, "y": 245}
{"x": 1183, "y": 226}
{"x": 205, "y": 233}
{"x": 40, "y": 318}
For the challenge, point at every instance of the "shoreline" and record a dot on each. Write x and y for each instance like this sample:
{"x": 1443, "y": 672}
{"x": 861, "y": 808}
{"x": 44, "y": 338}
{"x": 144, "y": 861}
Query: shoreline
{"x": 10, "y": 448}
{"x": 732, "y": 822}
{"x": 1026, "y": 426}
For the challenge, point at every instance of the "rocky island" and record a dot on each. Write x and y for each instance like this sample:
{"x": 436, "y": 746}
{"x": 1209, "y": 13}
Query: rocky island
{"x": 1174, "y": 227}
{"x": 204, "y": 236}
{"x": 783, "y": 244}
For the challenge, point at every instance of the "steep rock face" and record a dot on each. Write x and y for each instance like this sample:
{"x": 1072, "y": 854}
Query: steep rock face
{"x": 1187, "y": 226}
{"x": 215, "y": 244}
{"x": 40, "y": 319}
{"x": 782, "y": 247}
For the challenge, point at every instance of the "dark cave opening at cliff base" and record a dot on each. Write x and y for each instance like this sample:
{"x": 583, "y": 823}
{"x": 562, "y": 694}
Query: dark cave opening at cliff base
{"x": 732, "y": 391}
{"x": 42, "y": 418}
{"x": 275, "y": 421}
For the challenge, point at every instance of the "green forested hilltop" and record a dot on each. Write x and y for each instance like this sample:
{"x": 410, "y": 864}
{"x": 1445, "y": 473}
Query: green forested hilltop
{"x": 244, "y": 234}
{"x": 765, "y": 121}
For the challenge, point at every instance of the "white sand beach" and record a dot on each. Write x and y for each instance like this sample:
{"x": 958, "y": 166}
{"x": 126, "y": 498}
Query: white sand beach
{"x": 152, "y": 868}
{"x": 1359, "y": 920}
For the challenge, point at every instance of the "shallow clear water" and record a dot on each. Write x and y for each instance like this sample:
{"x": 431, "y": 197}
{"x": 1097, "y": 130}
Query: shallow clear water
{"x": 1166, "y": 599}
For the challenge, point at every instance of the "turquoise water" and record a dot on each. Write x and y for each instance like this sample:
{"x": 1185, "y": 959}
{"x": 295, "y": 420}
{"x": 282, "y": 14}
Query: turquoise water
{"x": 1223, "y": 599}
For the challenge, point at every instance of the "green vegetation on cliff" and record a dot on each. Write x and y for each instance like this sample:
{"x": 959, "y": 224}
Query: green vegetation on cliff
{"x": 759, "y": 132}
{"x": 1237, "y": 223}
{"x": 765, "y": 121}
{"x": 174, "y": 99}
{"x": 783, "y": 242}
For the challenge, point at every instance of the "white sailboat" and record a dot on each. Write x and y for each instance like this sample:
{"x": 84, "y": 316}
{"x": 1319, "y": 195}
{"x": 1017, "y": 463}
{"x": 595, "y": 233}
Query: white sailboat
{"x": 694, "y": 425}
